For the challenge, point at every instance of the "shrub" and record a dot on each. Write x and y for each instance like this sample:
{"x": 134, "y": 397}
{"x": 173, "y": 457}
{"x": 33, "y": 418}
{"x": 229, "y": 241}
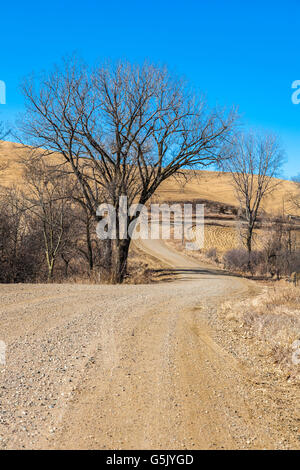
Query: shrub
{"x": 212, "y": 254}
{"x": 237, "y": 259}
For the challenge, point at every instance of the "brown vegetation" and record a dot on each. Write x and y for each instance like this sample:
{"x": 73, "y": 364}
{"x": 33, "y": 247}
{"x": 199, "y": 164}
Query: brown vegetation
{"x": 273, "y": 319}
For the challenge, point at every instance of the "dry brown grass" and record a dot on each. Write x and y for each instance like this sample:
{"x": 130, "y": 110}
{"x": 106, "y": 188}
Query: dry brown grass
{"x": 143, "y": 268}
{"x": 272, "y": 318}
{"x": 228, "y": 238}
{"x": 224, "y": 238}
{"x": 199, "y": 255}
{"x": 209, "y": 185}
{"x": 215, "y": 186}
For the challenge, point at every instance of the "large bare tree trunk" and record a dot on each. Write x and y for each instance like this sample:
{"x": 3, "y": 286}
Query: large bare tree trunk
{"x": 106, "y": 257}
{"x": 89, "y": 247}
{"x": 119, "y": 268}
{"x": 249, "y": 245}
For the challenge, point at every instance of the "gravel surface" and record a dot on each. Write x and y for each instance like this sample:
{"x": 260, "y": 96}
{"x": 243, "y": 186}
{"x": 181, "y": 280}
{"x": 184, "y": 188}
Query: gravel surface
{"x": 133, "y": 367}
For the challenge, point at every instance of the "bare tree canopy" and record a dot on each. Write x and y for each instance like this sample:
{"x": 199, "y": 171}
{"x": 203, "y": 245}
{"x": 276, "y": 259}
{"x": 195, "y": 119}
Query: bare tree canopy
{"x": 122, "y": 129}
{"x": 254, "y": 164}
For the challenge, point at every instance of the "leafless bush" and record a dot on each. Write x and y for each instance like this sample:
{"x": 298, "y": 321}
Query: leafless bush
{"x": 212, "y": 254}
{"x": 238, "y": 260}
{"x": 278, "y": 256}
{"x": 281, "y": 257}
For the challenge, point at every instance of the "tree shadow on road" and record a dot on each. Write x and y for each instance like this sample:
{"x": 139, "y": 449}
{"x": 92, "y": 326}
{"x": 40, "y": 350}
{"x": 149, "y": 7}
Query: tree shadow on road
{"x": 187, "y": 274}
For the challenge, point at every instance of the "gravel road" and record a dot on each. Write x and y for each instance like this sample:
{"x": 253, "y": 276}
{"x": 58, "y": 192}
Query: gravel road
{"x": 131, "y": 366}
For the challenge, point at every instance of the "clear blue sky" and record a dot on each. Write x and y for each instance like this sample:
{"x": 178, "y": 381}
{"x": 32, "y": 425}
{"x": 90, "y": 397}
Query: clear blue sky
{"x": 244, "y": 53}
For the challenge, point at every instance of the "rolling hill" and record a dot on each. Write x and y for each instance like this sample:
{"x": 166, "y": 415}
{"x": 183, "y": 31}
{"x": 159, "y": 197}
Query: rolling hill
{"x": 197, "y": 185}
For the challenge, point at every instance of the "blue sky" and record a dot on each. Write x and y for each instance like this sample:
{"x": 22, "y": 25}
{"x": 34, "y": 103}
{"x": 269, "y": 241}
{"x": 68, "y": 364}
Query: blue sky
{"x": 243, "y": 53}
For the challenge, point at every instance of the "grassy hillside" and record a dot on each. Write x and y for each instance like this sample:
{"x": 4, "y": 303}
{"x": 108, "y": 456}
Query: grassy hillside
{"x": 215, "y": 186}
{"x": 208, "y": 185}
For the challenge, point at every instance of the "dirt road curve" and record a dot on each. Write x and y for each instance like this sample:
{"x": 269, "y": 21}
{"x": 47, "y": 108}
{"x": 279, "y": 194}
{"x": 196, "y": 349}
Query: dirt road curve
{"x": 124, "y": 366}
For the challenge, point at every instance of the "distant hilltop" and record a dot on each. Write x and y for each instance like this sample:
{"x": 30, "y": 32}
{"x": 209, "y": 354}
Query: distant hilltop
{"x": 201, "y": 184}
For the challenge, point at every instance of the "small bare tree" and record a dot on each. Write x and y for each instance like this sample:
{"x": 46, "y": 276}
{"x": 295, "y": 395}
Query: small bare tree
{"x": 86, "y": 244}
{"x": 12, "y": 227}
{"x": 254, "y": 163}
{"x": 20, "y": 243}
{"x": 122, "y": 131}
{"x": 47, "y": 199}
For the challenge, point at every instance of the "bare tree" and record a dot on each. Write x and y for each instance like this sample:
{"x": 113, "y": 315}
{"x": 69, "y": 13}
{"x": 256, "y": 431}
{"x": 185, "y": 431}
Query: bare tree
{"x": 20, "y": 245}
{"x": 13, "y": 230}
{"x": 280, "y": 247}
{"x": 254, "y": 164}
{"x": 47, "y": 199}
{"x": 86, "y": 244}
{"x": 122, "y": 131}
